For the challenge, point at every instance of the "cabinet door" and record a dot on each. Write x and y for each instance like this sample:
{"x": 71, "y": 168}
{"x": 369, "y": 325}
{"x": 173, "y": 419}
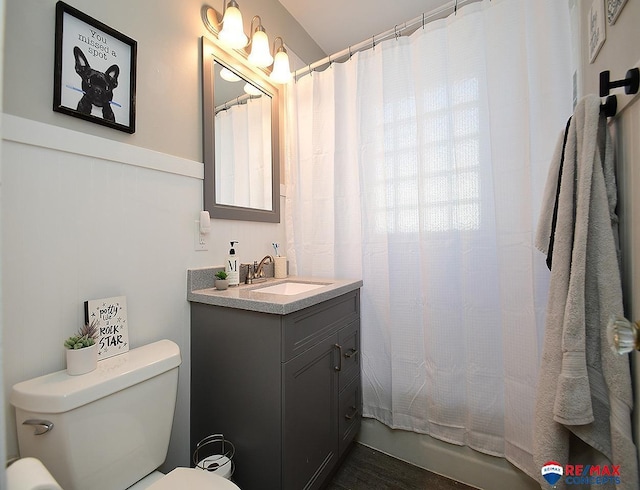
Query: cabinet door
{"x": 310, "y": 423}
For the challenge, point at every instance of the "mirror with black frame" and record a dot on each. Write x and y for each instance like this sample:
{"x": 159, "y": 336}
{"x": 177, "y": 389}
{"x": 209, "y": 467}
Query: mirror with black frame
{"x": 241, "y": 139}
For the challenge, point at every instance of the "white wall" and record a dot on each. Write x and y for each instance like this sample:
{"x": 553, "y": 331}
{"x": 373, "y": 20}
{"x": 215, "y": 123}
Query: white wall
{"x": 620, "y": 52}
{"x": 627, "y": 129}
{"x": 90, "y": 212}
{"x": 3, "y": 453}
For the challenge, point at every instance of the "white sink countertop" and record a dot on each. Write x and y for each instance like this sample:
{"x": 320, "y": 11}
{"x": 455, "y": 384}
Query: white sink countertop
{"x": 281, "y": 296}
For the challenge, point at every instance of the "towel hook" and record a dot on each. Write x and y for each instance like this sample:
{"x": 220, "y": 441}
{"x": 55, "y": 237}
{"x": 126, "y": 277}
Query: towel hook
{"x": 631, "y": 82}
{"x": 610, "y": 106}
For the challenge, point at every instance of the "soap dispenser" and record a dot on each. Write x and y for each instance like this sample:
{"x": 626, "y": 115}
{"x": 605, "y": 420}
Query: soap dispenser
{"x": 232, "y": 266}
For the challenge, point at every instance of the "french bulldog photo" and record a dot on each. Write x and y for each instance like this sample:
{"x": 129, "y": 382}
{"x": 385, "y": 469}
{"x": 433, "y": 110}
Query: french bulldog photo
{"x": 96, "y": 86}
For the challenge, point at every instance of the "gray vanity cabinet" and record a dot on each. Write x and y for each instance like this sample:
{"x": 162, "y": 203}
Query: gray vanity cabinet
{"x": 284, "y": 389}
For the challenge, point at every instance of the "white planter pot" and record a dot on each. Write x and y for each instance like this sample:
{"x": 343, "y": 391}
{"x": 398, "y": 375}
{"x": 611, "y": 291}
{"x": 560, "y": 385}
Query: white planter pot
{"x": 81, "y": 361}
{"x": 222, "y": 284}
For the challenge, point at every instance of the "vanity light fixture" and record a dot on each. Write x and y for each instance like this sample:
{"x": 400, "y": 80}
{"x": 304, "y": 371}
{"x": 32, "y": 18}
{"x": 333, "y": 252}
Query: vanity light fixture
{"x": 281, "y": 72}
{"x": 623, "y": 335}
{"x": 233, "y": 36}
{"x": 260, "y": 55}
{"x": 232, "y": 33}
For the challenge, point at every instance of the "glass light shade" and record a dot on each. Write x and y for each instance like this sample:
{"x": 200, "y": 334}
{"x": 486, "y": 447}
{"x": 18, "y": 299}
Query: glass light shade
{"x": 281, "y": 71}
{"x": 232, "y": 33}
{"x": 251, "y": 90}
{"x": 229, "y": 76}
{"x": 260, "y": 55}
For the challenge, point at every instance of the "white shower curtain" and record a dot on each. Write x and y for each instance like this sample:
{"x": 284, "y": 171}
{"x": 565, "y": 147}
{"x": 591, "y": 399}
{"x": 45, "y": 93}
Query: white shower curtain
{"x": 419, "y": 167}
{"x": 243, "y": 154}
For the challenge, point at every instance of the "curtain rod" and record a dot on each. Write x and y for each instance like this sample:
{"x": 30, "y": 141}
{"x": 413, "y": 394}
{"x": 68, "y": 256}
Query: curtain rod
{"x": 241, "y": 99}
{"x": 396, "y": 31}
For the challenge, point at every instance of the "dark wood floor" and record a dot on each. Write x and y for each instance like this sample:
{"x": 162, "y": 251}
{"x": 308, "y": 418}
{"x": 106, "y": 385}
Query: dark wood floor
{"x": 367, "y": 469}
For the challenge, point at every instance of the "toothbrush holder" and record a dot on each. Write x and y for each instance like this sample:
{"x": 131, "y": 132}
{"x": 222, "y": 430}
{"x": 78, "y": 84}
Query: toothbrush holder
{"x": 280, "y": 267}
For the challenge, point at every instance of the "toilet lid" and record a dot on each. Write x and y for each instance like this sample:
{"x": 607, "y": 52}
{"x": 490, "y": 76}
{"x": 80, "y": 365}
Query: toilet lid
{"x": 192, "y": 478}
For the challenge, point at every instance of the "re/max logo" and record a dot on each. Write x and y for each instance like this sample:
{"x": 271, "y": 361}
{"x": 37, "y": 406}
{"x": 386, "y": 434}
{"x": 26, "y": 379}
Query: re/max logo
{"x": 591, "y": 470}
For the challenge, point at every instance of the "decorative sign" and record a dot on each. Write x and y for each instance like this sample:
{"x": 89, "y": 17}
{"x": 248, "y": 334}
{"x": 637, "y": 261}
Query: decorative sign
{"x": 597, "y": 33}
{"x": 614, "y": 7}
{"x": 113, "y": 331}
{"x": 95, "y": 70}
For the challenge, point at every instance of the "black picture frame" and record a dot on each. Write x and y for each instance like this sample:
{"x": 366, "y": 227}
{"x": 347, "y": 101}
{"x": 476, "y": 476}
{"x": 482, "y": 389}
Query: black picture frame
{"x": 94, "y": 70}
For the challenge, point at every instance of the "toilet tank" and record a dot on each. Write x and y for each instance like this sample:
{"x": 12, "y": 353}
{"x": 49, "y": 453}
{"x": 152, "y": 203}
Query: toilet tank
{"x": 111, "y": 427}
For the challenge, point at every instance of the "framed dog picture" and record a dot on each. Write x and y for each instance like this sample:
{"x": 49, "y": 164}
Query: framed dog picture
{"x": 95, "y": 71}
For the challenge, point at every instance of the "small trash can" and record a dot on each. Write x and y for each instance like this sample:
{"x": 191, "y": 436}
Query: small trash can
{"x": 215, "y": 454}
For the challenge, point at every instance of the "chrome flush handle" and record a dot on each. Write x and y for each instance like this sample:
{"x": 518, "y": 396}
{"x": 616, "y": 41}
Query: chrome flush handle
{"x": 41, "y": 426}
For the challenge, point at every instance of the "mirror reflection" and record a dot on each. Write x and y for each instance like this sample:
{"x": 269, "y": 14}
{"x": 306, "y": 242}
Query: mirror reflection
{"x": 242, "y": 129}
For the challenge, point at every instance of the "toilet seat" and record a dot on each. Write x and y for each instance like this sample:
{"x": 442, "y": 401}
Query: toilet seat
{"x": 192, "y": 479}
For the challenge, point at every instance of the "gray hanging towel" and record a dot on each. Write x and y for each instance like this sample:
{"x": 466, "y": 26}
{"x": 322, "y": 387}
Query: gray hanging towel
{"x": 584, "y": 388}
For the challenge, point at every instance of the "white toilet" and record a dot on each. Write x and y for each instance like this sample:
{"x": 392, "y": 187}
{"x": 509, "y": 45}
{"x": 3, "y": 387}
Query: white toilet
{"x": 109, "y": 428}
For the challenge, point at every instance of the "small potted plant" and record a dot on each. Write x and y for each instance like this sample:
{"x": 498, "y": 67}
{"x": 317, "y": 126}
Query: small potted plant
{"x": 82, "y": 350}
{"x": 222, "y": 282}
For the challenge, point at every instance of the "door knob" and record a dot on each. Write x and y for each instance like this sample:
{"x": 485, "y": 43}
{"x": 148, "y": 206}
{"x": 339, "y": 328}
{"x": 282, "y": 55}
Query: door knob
{"x": 623, "y": 335}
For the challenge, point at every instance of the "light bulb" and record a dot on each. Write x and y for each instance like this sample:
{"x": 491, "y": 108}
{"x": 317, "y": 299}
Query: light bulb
{"x": 281, "y": 71}
{"x": 232, "y": 33}
{"x": 251, "y": 90}
{"x": 228, "y": 75}
{"x": 260, "y": 55}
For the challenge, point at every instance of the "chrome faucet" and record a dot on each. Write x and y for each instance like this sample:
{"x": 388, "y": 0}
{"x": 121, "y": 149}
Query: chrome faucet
{"x": 258, "y": 272}
{"x": 255, "y": 272}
